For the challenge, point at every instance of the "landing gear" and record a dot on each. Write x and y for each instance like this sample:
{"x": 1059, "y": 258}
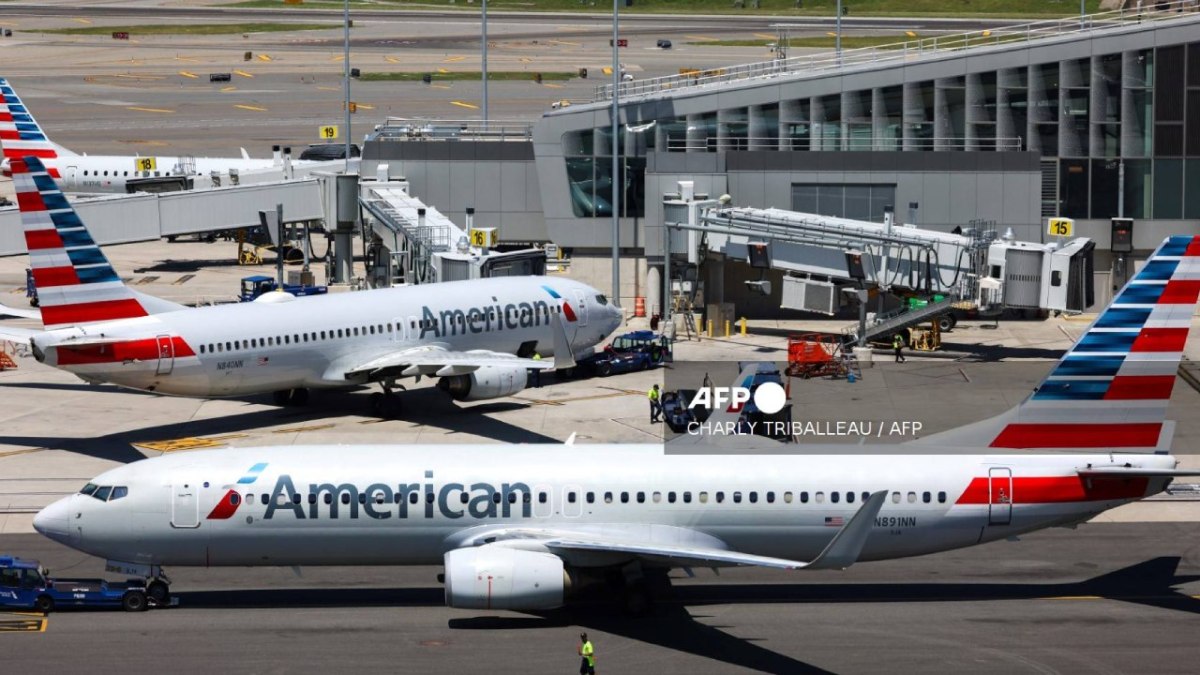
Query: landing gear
{"x": 640, "y": 588}
{"x": 386, "y": 404}
{"x": 291, "y": 397}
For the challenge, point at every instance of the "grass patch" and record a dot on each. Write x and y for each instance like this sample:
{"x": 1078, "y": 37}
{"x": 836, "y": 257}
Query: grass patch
{"x": 493, "y": 75}
{"x": 194, "y": 29}
{"x": 947, "y": 8}
{"x": 848, "y": 41}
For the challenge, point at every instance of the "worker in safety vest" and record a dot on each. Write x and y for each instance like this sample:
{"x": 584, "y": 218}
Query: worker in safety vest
{"x": 655, "y": 406}
{"x": 587, "y": 656}
{"x": 898, "y": 347}
{"x": 535, "y": 374}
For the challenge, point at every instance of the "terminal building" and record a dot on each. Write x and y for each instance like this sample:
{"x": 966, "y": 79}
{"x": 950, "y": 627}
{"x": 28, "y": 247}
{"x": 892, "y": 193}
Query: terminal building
{"x": 1090, "y": 118}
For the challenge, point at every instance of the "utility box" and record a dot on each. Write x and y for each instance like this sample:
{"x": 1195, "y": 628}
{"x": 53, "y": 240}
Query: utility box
{"x": 1122, "y": 235}
{"x": 809, "y": 295}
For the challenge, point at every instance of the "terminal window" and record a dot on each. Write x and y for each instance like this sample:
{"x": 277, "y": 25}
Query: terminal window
{"x": 858, "y": 201}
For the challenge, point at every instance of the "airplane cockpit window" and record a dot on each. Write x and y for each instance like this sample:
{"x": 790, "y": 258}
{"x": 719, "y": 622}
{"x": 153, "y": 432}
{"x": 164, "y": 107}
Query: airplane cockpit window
{"x": 601, "y": 299}
{"x": 88, "y": 489}
{"x": 118, "y": 492}
{"x": 102, "y": 493}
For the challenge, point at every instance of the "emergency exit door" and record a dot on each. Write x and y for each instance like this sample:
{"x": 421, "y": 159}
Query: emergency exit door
{"x": 185, "y": 506}
{"x": 166, "y": 355}
{"x": 1000, "y": 496}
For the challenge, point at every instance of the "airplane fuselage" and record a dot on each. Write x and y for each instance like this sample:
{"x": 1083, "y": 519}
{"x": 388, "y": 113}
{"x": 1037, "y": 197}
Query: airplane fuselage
{"x": 110, "y": 173}
{"x": 409, "y": 505}
{"x": 280, "y": 342}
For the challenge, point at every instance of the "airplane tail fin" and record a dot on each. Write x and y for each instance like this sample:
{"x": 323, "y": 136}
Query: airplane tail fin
{"x": 20, "y": 132}
{"x": 1112, "y": 388}
{"x": 76, "y": 284}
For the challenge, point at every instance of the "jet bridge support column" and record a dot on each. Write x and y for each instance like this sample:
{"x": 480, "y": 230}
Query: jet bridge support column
{"x": 343, "y": 234}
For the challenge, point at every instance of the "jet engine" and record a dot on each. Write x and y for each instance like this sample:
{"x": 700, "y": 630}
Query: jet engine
{"x": 495, "y": 577}
{"x": 487, "y": 382}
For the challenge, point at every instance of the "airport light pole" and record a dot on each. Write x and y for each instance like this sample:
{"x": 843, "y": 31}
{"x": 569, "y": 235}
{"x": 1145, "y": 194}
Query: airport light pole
{"x": 837, "y": 40}
{"x": 346, "y": 76}
{"x": 485, "y": 73}
{"x": 615, "y": 202}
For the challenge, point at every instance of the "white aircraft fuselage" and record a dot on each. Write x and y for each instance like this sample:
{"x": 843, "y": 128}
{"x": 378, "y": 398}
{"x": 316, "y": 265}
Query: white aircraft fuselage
{"x": 110, "y": 173}
{"x": 281, "y": 342}
{"x": 410, "y": 505}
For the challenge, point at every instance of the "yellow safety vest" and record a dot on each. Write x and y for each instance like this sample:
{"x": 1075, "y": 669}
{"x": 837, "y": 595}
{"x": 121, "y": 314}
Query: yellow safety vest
{"x": 652, "y": 394}
{"x": 588, "y": 652}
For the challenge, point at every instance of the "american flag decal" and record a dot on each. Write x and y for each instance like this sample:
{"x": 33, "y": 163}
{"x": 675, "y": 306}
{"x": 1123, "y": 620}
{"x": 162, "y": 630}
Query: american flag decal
{"x": 262, "y": 360}
{"x": 834, "y": 521}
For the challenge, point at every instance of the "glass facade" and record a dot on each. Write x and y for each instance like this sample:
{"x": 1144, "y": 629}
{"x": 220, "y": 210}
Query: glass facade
{"x": 1119, "y": 134}
{"x": 855, "y": 201}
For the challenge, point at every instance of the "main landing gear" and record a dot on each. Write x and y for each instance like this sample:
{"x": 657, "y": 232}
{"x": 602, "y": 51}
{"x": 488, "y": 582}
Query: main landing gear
{"x": 291, "y": 397}
{"x": 158, "y": 590}
{"x": 386, "y": 404}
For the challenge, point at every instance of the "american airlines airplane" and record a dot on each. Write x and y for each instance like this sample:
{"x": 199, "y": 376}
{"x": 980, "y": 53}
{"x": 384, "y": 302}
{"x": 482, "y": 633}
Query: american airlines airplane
{"x": 478, "y": 336}
{"x": 523, "y": 528}
{"x": 23, "y": 137}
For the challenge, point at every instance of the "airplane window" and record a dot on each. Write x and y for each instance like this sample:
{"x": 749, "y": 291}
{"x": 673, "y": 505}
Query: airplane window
{"x": 866, "y": 495}
{"x": 362, "y": 498}
{"x": 371, "y": 329}
{"x": 720, "y": 497}
{"x": 512, "y": 498}
{"x": 657, "y": 497}
{"x": 380, "y": 329}
{"x": 607, "y": 497}
{"x": 105, "y": 173}
{"x": 737, "y": 498}
{"x": 941, "y": 497}
{"x": 312, "y": 498}
{"x": 753, "y": 497}
{"x": 819, "y": 498}
{"x": 496, "y": 497}
{"x": 787, "y": 497}
{"x": 834, "y": 496}
{"x": 601, "y": 299}
{"x": 671, "y": 496}
{"x": 464, "y": 498}
{"x": 624, "y": 497}
{"x": 356, "y": 331}
{"x": 770, "y": 497}
{"x": 249, "y": 498}
{"x": 895, "y": 497}
{"x": 703, "y": 497}
{"x": 201, "y": 349}
{"x": 88, "y": 489}
{"x": 323, "y": 335}
{"x": 912, "y": 498}
{"x": 237, "y": 344}
{"x": 296, "y": 339}
{"x": 126, "y": 173}
{"x": 926, "y": 497}
{"x": 541, "y": 497}
{"x": 687, "y": 498}
{"x": 571, "y": 497}
{"x": 296, "y": 498}
{"x": 121, "y": 491}
{"x": 591, "y": 497}
{"x": 849, "y": 497}
{"x": 102, "y": 493}
{"x": 85, "y": 172}
{"x": 234, "y": 498}
{"x": 228, "y": 346}
{"x": 413, "y": 497}
{"x": 804, "y": 497}
{"x": 287, "y": 339}
{"x": 265, "y": 499}
{"x": 304, "y": 338}
{"x": 379, "y": 497}
{"x": 641, "y": 497}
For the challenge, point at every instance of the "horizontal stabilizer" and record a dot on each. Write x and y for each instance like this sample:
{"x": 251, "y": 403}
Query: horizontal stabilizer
{"x": 20, "y": 336}
{"x": 5, "y": 310}
{"x": 1135, "y": 472}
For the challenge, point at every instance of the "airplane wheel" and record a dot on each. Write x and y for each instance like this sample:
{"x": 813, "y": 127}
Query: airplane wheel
{"x": 44, "y": 604}
{"x": 159, "y": 592}
{"x": 134, "y": 601}
{"x": 299, "y": 397}
{"x": 282, "y": 397}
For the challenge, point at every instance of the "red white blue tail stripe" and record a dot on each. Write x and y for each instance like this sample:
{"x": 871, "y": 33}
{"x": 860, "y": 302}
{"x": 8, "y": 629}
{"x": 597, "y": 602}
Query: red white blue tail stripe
{"x": 1111, "y": 390}
{"x": 75, "y": 282}
{"x": 20, "y": 134}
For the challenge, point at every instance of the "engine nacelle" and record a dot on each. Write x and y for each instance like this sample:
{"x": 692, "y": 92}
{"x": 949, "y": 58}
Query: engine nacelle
{"x": 487, "y": 382}
{"x": 495, "y": 577}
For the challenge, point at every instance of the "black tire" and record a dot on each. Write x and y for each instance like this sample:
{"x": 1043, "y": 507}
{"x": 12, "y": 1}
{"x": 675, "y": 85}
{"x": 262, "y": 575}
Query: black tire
{"x": 604, "y": 370}
{"x": 44, "y": 604}
{"x": 34, "y": 302}
{"x": 159, "y": 592}
{"x": 947, "y": 322}
{"x": 299, "y": 397}
{"x": 134, "y": 601}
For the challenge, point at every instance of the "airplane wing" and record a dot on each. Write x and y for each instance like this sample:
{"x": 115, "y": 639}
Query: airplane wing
{"x": 17, "y": 335}
{"x": 841, "y": 552}
{"x": 430, "y": 360}
{"x": 5, "y": 310}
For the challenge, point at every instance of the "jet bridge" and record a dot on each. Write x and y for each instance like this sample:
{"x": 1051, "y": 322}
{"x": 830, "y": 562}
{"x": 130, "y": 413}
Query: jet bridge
{"x": 934, "y": 272}
{"x": 414, "y": 243}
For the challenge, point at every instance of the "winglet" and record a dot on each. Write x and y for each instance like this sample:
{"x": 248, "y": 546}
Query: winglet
{"x": 564, "y": 356}
{"x": 245, "y": 155}
{"x": 847, "y": 544}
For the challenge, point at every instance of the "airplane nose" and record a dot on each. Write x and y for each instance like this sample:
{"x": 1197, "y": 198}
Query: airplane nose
{"x": 52, "y": 521}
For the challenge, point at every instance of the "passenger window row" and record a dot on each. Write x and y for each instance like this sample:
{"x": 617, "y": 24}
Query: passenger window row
{"x": 298, "y": 338}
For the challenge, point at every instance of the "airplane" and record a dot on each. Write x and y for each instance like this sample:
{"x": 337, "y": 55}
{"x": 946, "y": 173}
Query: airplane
{"x": 478, "y": 335}
{"x": 22, "y": 136}
{"x": 525, "y": 527}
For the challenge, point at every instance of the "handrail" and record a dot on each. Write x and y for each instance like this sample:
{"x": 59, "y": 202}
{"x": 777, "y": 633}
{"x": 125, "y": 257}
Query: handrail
{"x": 908, "y": 50}
{"x": 843, "y": 142}
{"x": 404, "y": 128}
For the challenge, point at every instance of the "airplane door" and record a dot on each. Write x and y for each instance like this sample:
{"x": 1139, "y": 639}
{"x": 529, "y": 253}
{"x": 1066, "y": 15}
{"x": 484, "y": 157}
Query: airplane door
{"x": 166, "y": 355}
{"x": 185, "y": 506}
{"x": 1000, "y": 496}
{"x": 582, "y": 310}
{"x": 71, "y": 176}
{"x": 543, "y": 501}
{"x": 572, "y": 502}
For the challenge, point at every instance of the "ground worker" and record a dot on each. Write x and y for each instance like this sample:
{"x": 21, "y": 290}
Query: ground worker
{"x": 898, "y": 346}
{"x": 655, "y": 406}
{"x": 535, "y": 374}
{"x": 587, "y": 656}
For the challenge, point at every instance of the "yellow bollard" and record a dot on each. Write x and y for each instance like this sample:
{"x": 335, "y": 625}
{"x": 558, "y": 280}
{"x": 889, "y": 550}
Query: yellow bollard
{"x": 726, "y": 327}
{"x": 743, "y": 322}
{"x": 710, "y": 328}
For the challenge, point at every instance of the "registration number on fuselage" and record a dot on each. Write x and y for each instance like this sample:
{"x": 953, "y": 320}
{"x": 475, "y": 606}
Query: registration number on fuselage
{"x": 896, "y": 521}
